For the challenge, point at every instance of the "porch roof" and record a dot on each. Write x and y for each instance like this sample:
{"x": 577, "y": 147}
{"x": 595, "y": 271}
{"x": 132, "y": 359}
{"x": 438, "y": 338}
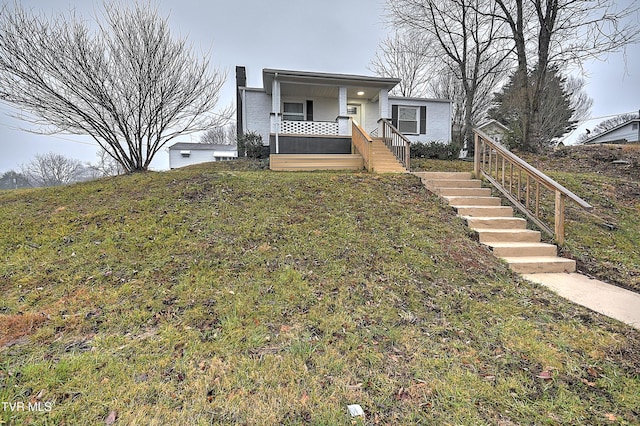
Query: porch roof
{"x": 326, "y": 84}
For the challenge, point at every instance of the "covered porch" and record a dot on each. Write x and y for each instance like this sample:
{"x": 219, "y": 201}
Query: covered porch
{"x": 311, "y": 113}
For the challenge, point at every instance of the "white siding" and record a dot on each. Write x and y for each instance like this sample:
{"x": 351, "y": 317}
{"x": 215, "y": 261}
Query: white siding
{"x": 371, "y": 116}
{"x": 438, "y": 119}
{"x": 624, "y": 132}
{"x": 325, "y": 109}
{"x": 176, "y": 160}
{"x": 257, "y": 110}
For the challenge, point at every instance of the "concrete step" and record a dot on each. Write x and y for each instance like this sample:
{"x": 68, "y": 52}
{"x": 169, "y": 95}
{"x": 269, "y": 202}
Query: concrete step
{"x": 522, "y": 249}
{"x": 540, "y": 264}
{"x": 473, "y": 201}
{"x": 495, "y": 222}
{"x": 388, "y": 167}
{"x": 453, "y": 183}
{"x": 485, "y": 211}
{"x": 386, "y": 160}
{"x": 465, "y": 192}
{"x": 376, "y": 170}
{"x": 444, "y": 175}
{"x": 508, "y": 235}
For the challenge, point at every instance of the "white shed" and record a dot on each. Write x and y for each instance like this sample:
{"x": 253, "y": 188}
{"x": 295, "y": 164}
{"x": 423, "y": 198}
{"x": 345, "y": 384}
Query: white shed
{"x": 185, "y": 154}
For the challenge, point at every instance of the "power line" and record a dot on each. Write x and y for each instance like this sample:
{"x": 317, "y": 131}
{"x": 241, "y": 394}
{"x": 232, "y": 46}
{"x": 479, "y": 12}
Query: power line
{"x": 51, "y": 136}
{"x": 606, "y": 116}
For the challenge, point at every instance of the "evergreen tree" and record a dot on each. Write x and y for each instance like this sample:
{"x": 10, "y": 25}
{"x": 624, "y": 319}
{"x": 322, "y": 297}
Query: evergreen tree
{"x": 13, "y": 180}
{"x": 551, "y": 120}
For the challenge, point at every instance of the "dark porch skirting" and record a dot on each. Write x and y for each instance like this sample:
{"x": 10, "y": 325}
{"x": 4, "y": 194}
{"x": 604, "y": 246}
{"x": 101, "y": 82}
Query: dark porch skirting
{"x": 302, "y": 144}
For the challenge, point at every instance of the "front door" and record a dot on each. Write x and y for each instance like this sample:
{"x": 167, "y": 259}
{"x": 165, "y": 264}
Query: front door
{"x": 355, "y": 112}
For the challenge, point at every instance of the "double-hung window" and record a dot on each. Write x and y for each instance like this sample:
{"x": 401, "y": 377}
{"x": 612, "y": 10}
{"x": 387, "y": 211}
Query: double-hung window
{"x": 293, "y": 111}
{"x": 408, "y": 119}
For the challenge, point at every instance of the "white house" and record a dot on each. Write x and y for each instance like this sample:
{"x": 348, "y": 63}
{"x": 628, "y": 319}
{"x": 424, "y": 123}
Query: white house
{"x": 628, "y": 132}
{"x": 185, "y": 154}
{"x": 494, "y": 129}
{"x": 313, "y": 114}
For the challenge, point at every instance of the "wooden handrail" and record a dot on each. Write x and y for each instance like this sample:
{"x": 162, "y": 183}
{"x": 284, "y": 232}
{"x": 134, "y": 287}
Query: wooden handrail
{"x": 396, "y": 142}
{"x": 362, "y": 142}
{"x": 488, "y": 151}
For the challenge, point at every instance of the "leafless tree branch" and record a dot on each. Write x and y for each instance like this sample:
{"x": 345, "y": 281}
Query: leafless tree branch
{"x": 128, "y": 84}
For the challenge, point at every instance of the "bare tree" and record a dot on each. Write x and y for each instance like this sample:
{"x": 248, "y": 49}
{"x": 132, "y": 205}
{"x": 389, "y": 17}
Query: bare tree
{"x": 547, "y": 33}
{"x": 220, "y": 135}
{"x": 128, "y": 84}
{"x": 580, "y": 100}
{"x": 105, "y": 165}
{"x": 466, "y": 38}
{"x": 447, "y": 85}
{"x": 52, "y": 170}
{"x": 405, "y": 55}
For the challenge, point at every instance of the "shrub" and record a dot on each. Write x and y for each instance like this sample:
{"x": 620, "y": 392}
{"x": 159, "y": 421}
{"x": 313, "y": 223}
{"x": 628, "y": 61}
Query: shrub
{"x": 435, "y": 150}
{"x": 250, "y": 144}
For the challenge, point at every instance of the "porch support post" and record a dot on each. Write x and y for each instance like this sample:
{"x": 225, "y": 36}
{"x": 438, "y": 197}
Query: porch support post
{"x": 275, "y": 112}
{"x": 343, "y": 119}
{"x": 342, "y": 101}
{"x": 383, "y": 108}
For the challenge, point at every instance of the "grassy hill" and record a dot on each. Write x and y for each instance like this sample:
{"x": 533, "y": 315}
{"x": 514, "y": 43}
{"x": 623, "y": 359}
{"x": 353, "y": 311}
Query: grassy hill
{"x": 217, "y": 295}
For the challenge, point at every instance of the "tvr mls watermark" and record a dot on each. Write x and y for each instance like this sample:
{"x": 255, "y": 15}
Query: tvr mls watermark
{"x": 19, "y": 406}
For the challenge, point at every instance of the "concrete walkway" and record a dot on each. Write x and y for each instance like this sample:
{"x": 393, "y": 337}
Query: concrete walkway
{"x": 612, "y": 301}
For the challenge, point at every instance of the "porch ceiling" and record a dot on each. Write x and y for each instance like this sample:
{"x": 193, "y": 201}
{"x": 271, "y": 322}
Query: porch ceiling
{"x": 314, "y": 84}
{"x": 321, "y": 91}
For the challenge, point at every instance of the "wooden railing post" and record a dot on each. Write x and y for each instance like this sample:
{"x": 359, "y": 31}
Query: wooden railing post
{"x": 397, "y": 143}
{"x": 407, "y": 153}
{"x": 476, "y": 157}
{"x": 521, "y": 196}
{"x": 559, "y": 218}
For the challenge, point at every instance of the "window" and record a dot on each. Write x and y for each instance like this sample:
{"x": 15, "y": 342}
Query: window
{"x": 293, "y": 111}
{"x": 352, "y": 110}
{"x": 185, "y": 154}
{"x": 408, "y": 119}
{"x": 634, "y": 126}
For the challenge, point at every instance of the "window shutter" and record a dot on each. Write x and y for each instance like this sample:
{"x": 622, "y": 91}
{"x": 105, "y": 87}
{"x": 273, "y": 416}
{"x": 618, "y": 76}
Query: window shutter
{"x": 394, "y": 115}
{"x": 309, "y": 110}
{"x": 423, "y": 120}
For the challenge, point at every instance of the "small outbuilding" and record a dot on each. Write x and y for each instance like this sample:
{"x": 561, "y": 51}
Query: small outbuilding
{"x": 184, "y": 154}
{"x": 493, "y": 128}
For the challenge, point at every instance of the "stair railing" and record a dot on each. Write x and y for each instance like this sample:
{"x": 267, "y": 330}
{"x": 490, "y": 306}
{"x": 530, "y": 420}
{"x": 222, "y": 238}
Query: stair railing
{"x": 526, "y": 187}
{"x": 362, "y": 143}
{"x": 396, "y": 142}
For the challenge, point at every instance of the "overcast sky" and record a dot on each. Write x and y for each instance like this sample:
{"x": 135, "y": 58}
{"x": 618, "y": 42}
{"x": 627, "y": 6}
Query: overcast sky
{"x": 312, "y": 35}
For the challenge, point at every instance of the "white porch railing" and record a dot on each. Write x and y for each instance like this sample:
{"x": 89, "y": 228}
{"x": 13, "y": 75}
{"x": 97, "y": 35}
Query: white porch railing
{"x": 325, "y": 128}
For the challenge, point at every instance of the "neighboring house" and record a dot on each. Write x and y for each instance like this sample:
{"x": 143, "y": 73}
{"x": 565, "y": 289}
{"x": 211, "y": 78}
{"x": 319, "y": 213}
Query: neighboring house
{"x": 494, "y": 129}
{"x": 185, "y": 154}
{"x": 628, "y": 132}
{"x": 310, "y": 115}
